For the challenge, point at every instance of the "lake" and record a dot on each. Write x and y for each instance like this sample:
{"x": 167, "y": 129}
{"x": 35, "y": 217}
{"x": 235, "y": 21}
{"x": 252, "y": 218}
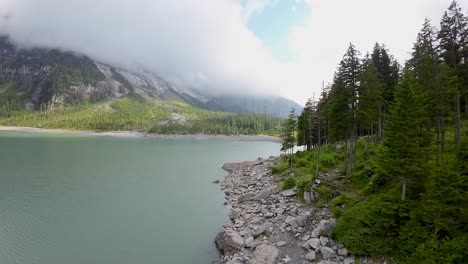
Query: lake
{"x": 76, "y": 199}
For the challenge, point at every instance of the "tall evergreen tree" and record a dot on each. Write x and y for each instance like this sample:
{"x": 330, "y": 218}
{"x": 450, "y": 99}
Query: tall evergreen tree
{"x": 452, "y": 45}
{"x": 288, "y": 136}
{"x": 430, "y": 75}
{"x": 403, "y": 157}
{"x": 370, "y": 97}
{"x": 388, "y": 70}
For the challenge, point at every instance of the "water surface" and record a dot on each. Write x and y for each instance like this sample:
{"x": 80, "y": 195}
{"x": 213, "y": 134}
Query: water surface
{"x": 71, "y": 199}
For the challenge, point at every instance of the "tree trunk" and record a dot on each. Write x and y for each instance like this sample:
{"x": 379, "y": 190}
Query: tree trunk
{"x": 290, "y": 160}
{"x": 318, "y": 151}
{"x": 457, "y": 119}
{"x": 403, "y": 189}
{"x": 367, "y": 146}
{"x": 380, "y": 125}
{"x": 466, "y": 105}
{"x": 350, "y": 166}
{"x": 345, "y": 153}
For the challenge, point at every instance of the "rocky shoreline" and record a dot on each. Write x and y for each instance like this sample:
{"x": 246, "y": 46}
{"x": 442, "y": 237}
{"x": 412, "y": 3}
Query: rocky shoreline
{"x": 271, "y": 226}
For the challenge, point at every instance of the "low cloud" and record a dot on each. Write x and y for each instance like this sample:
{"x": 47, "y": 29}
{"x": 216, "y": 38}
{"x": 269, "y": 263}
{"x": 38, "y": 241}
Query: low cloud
{"x": 206, "y": 44}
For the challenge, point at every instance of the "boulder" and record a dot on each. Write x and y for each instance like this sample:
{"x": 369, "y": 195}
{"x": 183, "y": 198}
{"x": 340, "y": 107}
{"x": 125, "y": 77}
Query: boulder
{"x": 343, "y": 252}
{"x": 313, "y": 243}
{"x": 235, "y": 213}
{"x": 296, "y": 221}
{"x": 307, "y": 197}
{"x": 349, "y": 260}
{"x": 229, "y": 241}
{"x": 310, "y": 256}
{"x": 324, "y": 240}
{"x": 265, "y": 254}
{"x": 281, "y": 243}
{"x": 246, "y": 197}
{"x": 324, "y": 228}
{"x": 314, "y": 196}
{"x": 265, "y": 194}
{"x": 289, "y": 193}
{"x": 249, "y": 242}
{"x": 327, "y": 253}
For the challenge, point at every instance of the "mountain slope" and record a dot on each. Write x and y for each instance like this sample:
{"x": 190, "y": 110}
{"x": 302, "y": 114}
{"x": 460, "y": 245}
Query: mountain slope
{"x": 275, "y": 106}
{"x": 35, "y": 79}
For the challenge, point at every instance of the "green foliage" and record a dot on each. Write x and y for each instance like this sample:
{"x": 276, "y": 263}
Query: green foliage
{"x": 279, "y": 168}
{"x": 289, "y": 183}
{"x": 144, "y": 114}
{"x": 371, "y": 227}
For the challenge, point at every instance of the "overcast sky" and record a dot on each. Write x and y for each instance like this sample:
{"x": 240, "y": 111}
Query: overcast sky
{"x": 281, "y": 47}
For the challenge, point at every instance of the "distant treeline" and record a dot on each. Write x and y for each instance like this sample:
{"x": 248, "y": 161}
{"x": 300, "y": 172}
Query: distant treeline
{"x": 144, "y": 114}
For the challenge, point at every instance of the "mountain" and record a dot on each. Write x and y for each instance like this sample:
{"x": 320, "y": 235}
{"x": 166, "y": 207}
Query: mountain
{"x": 38, "y": 78}
{"x": 275, "y": 106}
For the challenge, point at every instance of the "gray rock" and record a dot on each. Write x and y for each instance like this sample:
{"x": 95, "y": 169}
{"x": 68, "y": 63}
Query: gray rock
{"x": 349, "y": 260}
{"x": 324, "y": 241}
{"x": 323, "y": 228}
{"x": 314, "y": 196}
{"x": 246, "y": 197}
{"x": 287, "y": 259}
{"x": 290, "y": 220}
{"x": 310, "y": 256}
{"x": 343, "y": 252}
{"x": 265, "y": 194}
{"x": 314, "y": 243}
{"x": 281, "y": 243}
{"x": 289, "y": 193}
{"x": 229, "y": 241}
{"x": 265, "y": 254}
{"x": 280, "y": 211}
{"x": 249, "y": 242}
{"x": 307, "y": 197}
{"x": 301, "y": 220}
{"x": 327, "y": 253}
{"x": 215, "y": 181}
{"x": 235, "y": 213}
{"x": 256, "y": 220}
{"x": 261, "y": 229}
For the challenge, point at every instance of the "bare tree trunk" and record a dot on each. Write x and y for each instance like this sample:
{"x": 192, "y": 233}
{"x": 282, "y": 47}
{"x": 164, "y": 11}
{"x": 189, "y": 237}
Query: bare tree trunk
{"x": 318, "y": 150}
{"x": 290, "y": 160}
{"x": 350, "y": 166}
{"x": 403, "y": 189}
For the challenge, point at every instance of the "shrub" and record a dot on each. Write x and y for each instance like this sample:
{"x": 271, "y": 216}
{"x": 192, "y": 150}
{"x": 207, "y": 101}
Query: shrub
{"x": 289, "y": 183}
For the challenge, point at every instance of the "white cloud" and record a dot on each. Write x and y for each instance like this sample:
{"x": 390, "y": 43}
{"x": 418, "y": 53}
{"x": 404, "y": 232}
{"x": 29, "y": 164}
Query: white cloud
{"x": 253, "y": 7}
{"x": 321, "y": 42}
{"x": 207, "y": 45}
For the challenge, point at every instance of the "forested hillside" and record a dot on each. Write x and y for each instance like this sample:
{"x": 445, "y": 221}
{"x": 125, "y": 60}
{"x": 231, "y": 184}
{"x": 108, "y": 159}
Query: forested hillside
{"x": 394, "y": 142}
{"x": 146, "y": 114}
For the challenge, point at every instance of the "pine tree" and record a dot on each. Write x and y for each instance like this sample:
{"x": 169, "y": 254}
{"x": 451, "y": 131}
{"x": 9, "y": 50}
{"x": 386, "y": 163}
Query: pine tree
{"x": 288, "y": 136}
{"x": 370, "y": 98}
{"x": 452, "y": 45}
{"x": 406, "y": 140}
{"x": 388, "y": 70}
{"x": 431, "y": 77}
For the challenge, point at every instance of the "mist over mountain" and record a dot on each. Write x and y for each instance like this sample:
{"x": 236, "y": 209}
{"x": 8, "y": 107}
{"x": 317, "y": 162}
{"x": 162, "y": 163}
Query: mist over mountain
{"x": 36, "y": 78}
{"x": 185, "y": 42}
